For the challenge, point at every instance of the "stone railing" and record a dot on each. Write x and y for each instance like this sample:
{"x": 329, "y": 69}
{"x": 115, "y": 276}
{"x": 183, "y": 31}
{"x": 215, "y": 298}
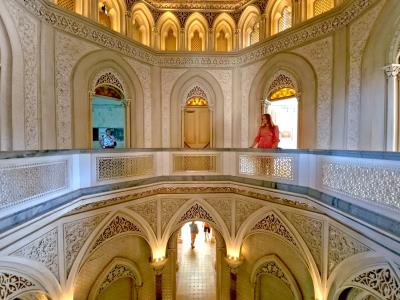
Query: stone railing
{"x": 362, "y": 184}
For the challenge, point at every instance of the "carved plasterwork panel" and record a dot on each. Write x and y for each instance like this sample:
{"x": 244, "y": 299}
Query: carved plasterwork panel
{"x": 248, "y": 73}
{"x": 359, "y": 33}
{"x": 196, "y": 92}
{"x": 20, "y": 183}
{"x": 143, "y": 71}
{"x": 311, "y": 230}
{"x": 68, "y": 51}
{"x": 272, "y": 269}
{"x": 168, "y": 79}
{"x": 75, "y": 235}
{"x": 148, "y": 210}
{"x": 382, "y": 280}
{"x": 196, "y": 163}
{"x": 270, "y": 166}
{"x": 342, "y": 246}
{"x": 118, "y": 272}
{"x": 196, "y": 211}
{"x": 243, "y": 210}
{"x": 273, "y": 224}
{"x": 169, "y": 206}
{"x": 224, "y": 79}
{"x": 320, "y": 55}
{"x": 11, "y": 284}
{"x": 109, "y": 77}
{"x": 281, "y": 79}
{"x": 27, "y": 28}
{"x": 44, "y": 250}
{"x": 224, "y": 207}
{"x": 117, "y": 226}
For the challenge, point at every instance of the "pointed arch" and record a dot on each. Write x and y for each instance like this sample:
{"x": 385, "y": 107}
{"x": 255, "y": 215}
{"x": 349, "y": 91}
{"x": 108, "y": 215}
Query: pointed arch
{"x": 142, "y": 24}
{"x": 196, "y": 30}
{"x": 317, "y": 7}
{"x": 224, "y": 27}
{"x": 111, "y": 13}
{"x": 248, "y": 24}
{"x": 280, "y": 15}
{"x": 215, "y": 98}
{"x": 166, "y": 24}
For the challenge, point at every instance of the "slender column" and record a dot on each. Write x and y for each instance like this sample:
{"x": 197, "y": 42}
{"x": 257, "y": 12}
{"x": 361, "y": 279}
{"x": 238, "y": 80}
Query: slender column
{"x": 182, "y": 44}
{"x": 238, "y": 42}
{"x": 155, "y": 39}
{"x": 234, "y": 264}
{"x": 128, "y": 23}
{"x": 392, "y": 132}
{"x": 210, "y": 40}
{"x": 263, "y": 27}
{"x": 158, "y": 267}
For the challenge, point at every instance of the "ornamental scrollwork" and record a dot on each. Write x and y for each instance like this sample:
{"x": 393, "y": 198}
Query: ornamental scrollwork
{"x": 196, "y": 92}
{"x": 109, "y": 77}
{"x": 280, "y": 80}
{"x": 196, "y": 211}
{"x": 147, "y": 210}
{"x": 119, "y": 271}
{"x": 11, "y": 284}
{"x": 271, "y": 268}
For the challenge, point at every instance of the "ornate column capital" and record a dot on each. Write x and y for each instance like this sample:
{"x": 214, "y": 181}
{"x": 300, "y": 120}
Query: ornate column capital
{"x": 392, "y": 70}
{"x": 158, "y": 265}
{"x": 234, "y": 263}
{"x": 128, "y": 14}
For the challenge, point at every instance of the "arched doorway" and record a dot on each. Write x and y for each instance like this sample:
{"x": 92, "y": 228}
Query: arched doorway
{"x": 197, "y": 121}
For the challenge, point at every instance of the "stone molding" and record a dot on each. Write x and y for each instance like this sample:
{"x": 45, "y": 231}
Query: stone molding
{"x": 86, "y": 29}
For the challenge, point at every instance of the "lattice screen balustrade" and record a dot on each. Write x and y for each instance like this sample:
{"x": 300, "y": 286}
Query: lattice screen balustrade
{"x": 321, "y": 6}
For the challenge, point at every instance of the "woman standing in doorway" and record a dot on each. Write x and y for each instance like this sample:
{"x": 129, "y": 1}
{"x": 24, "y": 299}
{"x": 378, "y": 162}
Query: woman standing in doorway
{"x": 268, "y": 134}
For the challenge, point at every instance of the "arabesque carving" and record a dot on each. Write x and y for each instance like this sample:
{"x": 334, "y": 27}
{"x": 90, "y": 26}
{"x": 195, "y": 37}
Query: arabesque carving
{"x": 168, "y": 208}
{"x": 224, "y": 207}
{"x": 243, "y": 210}
{"x": 196, "y": 211}
{"x": 271, "y": 268}
{"x": 147, "y": 210}
{"x": 118, "y": 272}
{"x": 11, "y": 284}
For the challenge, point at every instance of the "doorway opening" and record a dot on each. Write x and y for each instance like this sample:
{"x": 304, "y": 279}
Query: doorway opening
{"x": 197, "y": 118}
{"x": 283, "y": 106}
{"x": 108, "y": 111}
{"x": 196, "y": 276}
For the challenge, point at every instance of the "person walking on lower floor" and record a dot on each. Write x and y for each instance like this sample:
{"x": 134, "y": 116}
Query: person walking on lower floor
{"x": 194, "y": 230}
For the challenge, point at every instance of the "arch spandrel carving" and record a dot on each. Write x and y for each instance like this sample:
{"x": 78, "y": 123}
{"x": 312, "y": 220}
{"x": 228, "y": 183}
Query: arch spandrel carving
{"x": 13, "y": 284}
{"x": 109, "y": 77}
{"x": 281, "y": 79}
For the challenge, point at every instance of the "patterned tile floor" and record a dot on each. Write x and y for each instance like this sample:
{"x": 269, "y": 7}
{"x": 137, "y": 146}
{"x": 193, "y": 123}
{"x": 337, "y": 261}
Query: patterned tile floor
{"x": 196, "y": 278}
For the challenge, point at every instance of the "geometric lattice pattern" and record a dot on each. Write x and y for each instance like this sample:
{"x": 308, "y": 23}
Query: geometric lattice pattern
{"x": 12, "y": 284}
{"x": 119, "y": 167}
{"x": 67, "y": 4}
{"x": 255, "y": 34}
{"x": 321, "y": 6}
{"x": 197, "y": 43}
{"x": 272, "y": 166}
{"x": 362, "y": 182}
{"x": 185, "y": 162}
{"x": 285, "y": 21}
{"x": 381, "y": 280}
{"x": 24, "y": 182}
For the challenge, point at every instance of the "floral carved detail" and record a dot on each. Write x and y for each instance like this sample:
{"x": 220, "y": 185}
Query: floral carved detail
{"x": 117, "y": 226}
{"x": 281, "y": 80}
{"x": 109, "y": 77}
{"x": 75, "y": 235}
{"x": 272, "y": 224}
{"x": 148, "y": 210}
{"x": 243, "y": 210}
{"x": 196, "y": 211}
{"x": 118, "y": 272}
{"x": 359, "y": 33}
{"x": 44, "y": 250}
{"x": 271, "y": 268}
{"x": 27, "y": 29}
{"x": 196, "y": 92}
{"x": 168, "y": 208}
{"x": 224, "y": 208}
{"x": 11, "y": 284}
{"x": 381, "y": 280}
{"x": 342, "y": 246}
{"x": 311, "y": 230}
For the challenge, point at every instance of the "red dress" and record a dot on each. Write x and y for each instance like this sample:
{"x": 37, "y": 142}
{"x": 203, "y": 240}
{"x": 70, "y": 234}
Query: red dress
{"x": 267, "y": 138}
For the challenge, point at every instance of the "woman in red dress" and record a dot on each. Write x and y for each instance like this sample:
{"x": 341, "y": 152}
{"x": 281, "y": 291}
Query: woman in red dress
{"x": 268, "y": 134}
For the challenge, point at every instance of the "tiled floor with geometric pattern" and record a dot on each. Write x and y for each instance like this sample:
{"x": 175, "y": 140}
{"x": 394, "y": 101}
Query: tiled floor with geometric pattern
{"x": 196, "y": 278}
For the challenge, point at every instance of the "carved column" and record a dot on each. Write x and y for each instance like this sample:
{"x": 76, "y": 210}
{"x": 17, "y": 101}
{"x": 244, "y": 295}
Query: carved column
{"x": 158, "y": 267}
{"x": 128, "y": 23}
{"x": 392, "y": 121}
{"x": 238, "y": 42}
{"x": 155, "y": 39}
{"x": 234, "y": 264}
{"x": 210, "y": 40}
{"x": 182, "y": 42}
{"x": 263, "y": 27}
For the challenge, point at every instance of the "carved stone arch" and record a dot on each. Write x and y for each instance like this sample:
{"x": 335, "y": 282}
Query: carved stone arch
{"x": 215, "y": 98}
{"x": 118, "y": 268}
{"x": 306, "y": 79}
{"x": 272, "y": 265}
{"x": 281, "y": 79}
{"x": 20, "y": 275}
{"x": 82, "y": 82}
{"x": 109, "y": 77}
{"x": 196, "y": 91}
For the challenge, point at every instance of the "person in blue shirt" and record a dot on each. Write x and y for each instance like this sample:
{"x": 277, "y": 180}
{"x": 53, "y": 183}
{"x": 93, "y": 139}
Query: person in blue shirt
{"x": 108, "y": 141}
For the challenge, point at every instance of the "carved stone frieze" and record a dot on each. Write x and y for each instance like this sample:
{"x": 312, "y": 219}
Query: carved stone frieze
{"x": 196, "y": 211}
{"x": 224, "y": 79}
{"x": 320, "y": 55}
{"x": 118, "y": 272}
{"x": 311, "y": 230}
{"x": 273, "y": 224}
{"x": 342, "y": 246}
{"x": 75, "y": 235}
{"x": 43, "y": 250}
{"x": 224, "y": 207}
{"x": 68, "y": 51}
{"x": 117, "y": 226}
{"x": 147, "y": 210}
{"x": 243, "y": 210}
{"x": 381, "y": 280}
{"x": 11, "y": 284}
{"x": 27, "y": 28}
{"x": 169, "y": 206}
{"x": 359, "y": 33}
